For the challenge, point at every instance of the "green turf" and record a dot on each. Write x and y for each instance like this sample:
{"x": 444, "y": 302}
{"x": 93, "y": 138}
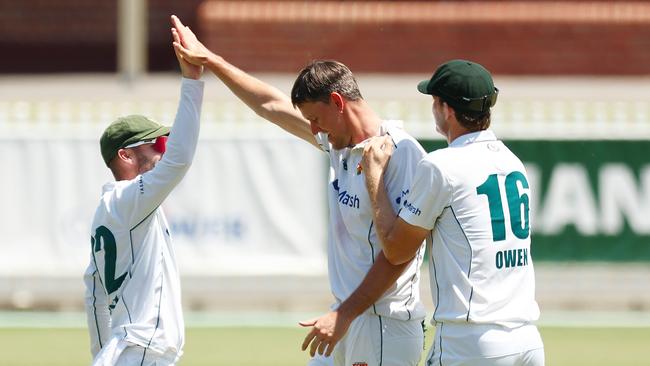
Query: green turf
{"x": 281, "y": 346}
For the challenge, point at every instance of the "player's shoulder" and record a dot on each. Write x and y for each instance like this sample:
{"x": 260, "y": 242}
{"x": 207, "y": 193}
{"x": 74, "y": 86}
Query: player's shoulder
{"x": 116, "y": 194}
{"x": 115, "y": 201}
{"x": 440, "y": 155}
{"x": 401, "y": 138}
{"x": 395, "y": 129}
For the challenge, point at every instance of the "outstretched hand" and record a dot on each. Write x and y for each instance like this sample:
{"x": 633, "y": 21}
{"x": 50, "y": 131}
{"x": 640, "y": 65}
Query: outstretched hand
{"x": 188, "y": 46}
{"x": 326, "y": 332}
{"x": 188, "y": 69}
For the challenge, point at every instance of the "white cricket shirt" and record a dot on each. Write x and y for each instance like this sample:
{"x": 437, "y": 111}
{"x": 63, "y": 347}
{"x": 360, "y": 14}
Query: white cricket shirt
{"x": 132, "y": 282}
{"x": 353, "y": 244}
{"x": 474, "y": 196}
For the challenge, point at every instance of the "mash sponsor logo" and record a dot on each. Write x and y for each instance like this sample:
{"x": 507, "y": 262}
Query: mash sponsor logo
{"x": 414, "y": 210}
{"x": 405, "y": 193}
{"x": 349, "y": 200}
{"x": 346, "y": 198}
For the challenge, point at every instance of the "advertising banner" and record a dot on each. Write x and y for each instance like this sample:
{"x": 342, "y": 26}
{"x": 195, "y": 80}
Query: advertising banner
{"x": 590, "y": 199}
{"x": 247, "y": 206}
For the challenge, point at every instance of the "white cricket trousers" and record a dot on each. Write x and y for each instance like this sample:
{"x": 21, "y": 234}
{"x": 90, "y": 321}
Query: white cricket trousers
{"x": 118, "y": 352}
{"x": 485, "y": 345}
{"x": 374, "y": 340}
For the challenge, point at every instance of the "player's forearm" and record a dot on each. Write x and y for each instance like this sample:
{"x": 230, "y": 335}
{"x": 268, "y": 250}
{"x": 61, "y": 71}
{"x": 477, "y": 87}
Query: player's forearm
{"x": 152, "y": 187}
{"x": 381, "y": 276}
{"x": 98, "y": 317}
{"x": 184, "y": 134}
{"x": 252, "y": 91}
{"x": 384, "y": 217}
{"x": 99, "y": 327}
{"x": 265, "y": 100}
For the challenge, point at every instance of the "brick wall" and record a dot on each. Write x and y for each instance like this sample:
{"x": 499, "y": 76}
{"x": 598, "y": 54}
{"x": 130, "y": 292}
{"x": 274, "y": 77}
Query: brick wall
{"x": 80, "y": 35}
{"x": 46, "y": 35}
{"x": 509, "y": 37}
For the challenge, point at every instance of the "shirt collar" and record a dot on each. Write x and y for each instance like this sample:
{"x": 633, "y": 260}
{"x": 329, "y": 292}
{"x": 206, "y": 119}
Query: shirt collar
{"x": 470, "y": 138}
{"x": 384, "y": 128}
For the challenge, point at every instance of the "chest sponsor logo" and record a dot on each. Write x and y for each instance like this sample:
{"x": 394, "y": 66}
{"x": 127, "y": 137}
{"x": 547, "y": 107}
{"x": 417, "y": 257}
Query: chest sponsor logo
{"x": 398, "y": 200}
{"x": 346, "y": 198}
{"x": 414, "y": 210}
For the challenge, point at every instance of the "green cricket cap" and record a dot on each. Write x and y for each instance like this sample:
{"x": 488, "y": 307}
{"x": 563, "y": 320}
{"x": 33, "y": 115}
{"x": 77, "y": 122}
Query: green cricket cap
{"x": 128, "y": 130}
{"x": 465, "y": 85}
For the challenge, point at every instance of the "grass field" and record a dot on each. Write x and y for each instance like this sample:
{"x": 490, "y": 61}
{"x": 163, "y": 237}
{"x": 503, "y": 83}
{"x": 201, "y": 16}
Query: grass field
{"x": 268, "y": 346}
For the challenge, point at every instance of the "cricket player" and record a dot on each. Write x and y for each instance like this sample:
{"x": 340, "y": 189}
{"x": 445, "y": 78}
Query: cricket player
{"x": 133, "y": 298}
{"x": 472, "y": 201}
{"x": 377, "y": 318}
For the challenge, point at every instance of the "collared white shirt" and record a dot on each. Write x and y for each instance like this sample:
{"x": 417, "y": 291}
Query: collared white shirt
{"x": 474, "y": 197}
{"x": 132, "y": 280}
{"x": 352, "y": 241}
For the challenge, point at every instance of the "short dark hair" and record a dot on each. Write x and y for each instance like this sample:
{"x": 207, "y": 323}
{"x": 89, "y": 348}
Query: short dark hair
{"x": 473, "y": 121}
{"x": 319, "y": 79}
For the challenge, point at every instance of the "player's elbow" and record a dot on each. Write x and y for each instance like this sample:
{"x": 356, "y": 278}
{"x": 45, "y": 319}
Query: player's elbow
{"x": 395, "y": 256}
{"x": 267, "y": 110}
{"x": 397, "y": 259}
{"x": 276, "y": 111}
{"x": 179, "y": 164}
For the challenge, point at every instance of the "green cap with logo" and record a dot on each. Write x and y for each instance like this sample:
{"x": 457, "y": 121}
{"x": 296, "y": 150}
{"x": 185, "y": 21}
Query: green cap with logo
{"x": 464, "y": 85}
{"x": 128, "y": 130}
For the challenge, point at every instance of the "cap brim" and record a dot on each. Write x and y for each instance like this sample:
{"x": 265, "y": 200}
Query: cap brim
{"x": 148, "y": 135}
{"x": 423, "y": 87}
{"x": 161, "y": 131}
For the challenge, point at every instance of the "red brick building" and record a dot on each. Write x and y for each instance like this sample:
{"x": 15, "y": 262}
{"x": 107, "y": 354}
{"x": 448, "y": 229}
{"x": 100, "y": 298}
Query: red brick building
{"x": 509, "y": 37}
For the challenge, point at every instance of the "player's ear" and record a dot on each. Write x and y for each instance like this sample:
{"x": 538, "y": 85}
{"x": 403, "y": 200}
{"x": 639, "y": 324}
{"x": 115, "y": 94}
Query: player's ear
{"x": 125, "y": 155}
{"x": 338, "y": 100}
{"x": 447, "y": 110}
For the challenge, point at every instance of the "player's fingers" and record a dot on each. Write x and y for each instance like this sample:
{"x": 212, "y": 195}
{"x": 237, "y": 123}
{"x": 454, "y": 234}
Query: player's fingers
{"x": 183, "y": 31}
{"x": 308, "y": 339}
{"x": 177, "y": 22}
{"x": 177, "y": 51}
{"x": 308, "y": 323}
{"x": 175, "y": 36}
{"x": 330, "y": 348}
{"x": 372, "y": 146}
{"x": 383, "y": 140}
{"x": 366, "y": 149}
{"x": 322, "y": 346}
{"x": 189, "y": 34}
{"x": 387, "y": 145}
{"x": 177, "y": 25}
{"x": 382, "y": 143}
{"x": 314, "y": 346}
{"x": 184, "y": 52}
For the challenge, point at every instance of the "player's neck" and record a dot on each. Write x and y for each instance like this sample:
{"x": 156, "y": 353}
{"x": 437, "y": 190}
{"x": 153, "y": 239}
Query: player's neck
{"x": 124, "y": 173}
{"x": 455, "y": 131}
{"x": 363, "y": 121}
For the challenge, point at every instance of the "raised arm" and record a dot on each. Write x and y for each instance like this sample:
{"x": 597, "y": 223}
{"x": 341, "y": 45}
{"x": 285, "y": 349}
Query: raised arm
{"x": 141, "y": 196}
{"x": 265, "y": 100}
